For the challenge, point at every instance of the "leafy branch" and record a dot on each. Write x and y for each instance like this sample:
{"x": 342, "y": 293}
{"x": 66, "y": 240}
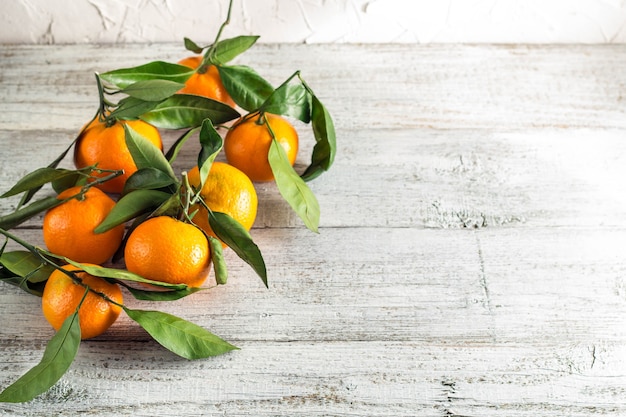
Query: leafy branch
{"x": 181, "y": 337}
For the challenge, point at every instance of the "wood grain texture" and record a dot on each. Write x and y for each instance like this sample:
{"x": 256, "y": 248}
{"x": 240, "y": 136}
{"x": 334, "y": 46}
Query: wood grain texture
{"x": 469, "y": 262}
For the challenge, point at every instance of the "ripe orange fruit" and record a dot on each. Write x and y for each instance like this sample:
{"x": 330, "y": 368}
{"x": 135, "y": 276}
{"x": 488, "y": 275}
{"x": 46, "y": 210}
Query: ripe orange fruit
{"x": 247, "y": 145}
{"x": 227, "y": 190}
{"x": 61, "y": 296}
{"x": 68, "y": 229}
{"x": 167, "y": 250}
{"x": 208, "y": 84}
{"x": 106, "y": 147}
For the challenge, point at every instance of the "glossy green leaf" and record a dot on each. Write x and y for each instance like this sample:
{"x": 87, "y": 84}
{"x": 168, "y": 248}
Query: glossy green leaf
{"x": 293, "y": 188}
{"x": 38, "y": 178}
{"x": 171, "y": 295}
{"x": 26, "y": 265}
{"x": 292, "y": 100}
{"x": 145, "y": 154}
{"x": 122, "y": 274}
{"x": 169, "y": 207}
{"x": 219, "y": 263}
{"x": 172, "y": 152}
{"x": 148, "y": 178}
{"x": 184, "y": 111}
{"x": 130, "y": 108}
{"x": 246, "y": 87}
{"x": 57, "y": 358}
{"x": 156, "y": 70}
{"x": 192, "y": 46}
{"x": 27, "y": 278}
{"x": 181, "y": 337}
{"x": 231, "y": 232}
{"x": 130, "y": 206}
{"x": 34, "y": 288}
{"x": 21, "y": 215}
{"x": 228, "y": 49}
{"x": 62, "y": 184}
{"x": 210, "y": 145}
{"x": 326, "y": 143}
{"x": 153, "y": 90}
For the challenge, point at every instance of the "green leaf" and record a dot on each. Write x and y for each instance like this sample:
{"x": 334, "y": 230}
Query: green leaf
{"x": 292, "y": 100}
{"x": 231, "y": 232}
{"x": 180, "y": 336}
{"x": 26, "y": 265}
{"x": 153, "y": 90}
{"x": 122, "y": 274}
{"x": 184, "y": 111}
{"x": 228, "y": 49}
{"x": 326, "y": 143}
{"x": 219, "y": 263}
{"x": 156, "y": 70}
{"x": 69, "y": 181}
{"x": 145, "y": 154}
{"x": 130, "y": 108}
{"x": 57, "y": 358}
{"x": 21, "y": 215}
{"x": 173, "y": 295}
{"x": 130, "y": 206}
{"x": 30, "y": 287}
{"x": 149, "y": 178}
{"x": 192, "y": 46}
{"x": 293, "y": 188}
{"x": 38, "y": 178}
{"x": 173, "y": 151}
{"x": 246, "y": 87}
{"x": 169, "y": 207}
{"x": 28, "y": 279}
{"x": 211, "y": 144}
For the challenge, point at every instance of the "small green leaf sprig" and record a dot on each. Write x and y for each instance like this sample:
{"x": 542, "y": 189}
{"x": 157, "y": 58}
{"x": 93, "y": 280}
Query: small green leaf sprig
{"x": 31, "y": 268}
{"x": 150, "y": 93}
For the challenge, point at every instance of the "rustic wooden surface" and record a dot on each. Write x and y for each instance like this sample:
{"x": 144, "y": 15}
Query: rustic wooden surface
{"x": 470, "y": 260}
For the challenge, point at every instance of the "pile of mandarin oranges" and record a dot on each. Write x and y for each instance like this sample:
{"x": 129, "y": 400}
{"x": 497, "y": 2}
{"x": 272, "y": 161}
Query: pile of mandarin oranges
{"x": 122, "y": 222}
{"x": 162, "y": 248}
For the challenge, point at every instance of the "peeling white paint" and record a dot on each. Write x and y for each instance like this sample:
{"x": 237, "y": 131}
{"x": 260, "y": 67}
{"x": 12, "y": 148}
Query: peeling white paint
{"x": 316, "y": 21}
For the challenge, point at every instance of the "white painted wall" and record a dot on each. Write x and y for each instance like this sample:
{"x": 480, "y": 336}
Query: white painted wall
{"x": 316, "y": 21}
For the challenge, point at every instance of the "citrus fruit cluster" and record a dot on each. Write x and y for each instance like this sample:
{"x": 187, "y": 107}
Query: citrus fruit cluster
{"x": 123, "y": 219}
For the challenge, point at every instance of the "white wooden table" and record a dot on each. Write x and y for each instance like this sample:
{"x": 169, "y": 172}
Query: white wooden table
{"x": 470, "y": 260}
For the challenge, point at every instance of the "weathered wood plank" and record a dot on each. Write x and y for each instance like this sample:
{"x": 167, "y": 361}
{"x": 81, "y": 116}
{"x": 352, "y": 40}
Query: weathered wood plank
{"x": 377, "y": 86}
{"x": 347, "y": 379}
{"x": 425, "y": 178}
{"x": 527, "y": 286}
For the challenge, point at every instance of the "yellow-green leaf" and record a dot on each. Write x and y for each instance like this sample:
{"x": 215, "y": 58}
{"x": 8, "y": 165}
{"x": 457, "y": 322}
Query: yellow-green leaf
{"x": 293, "y": 188}
{"x": 180, "y": 336}
{"x": 57, "y": 358}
